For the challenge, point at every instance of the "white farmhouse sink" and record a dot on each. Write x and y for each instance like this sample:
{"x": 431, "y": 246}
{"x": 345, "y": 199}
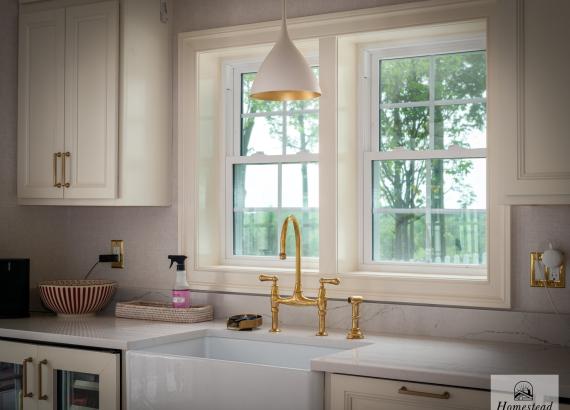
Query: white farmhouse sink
{"x": 217, "y": 372}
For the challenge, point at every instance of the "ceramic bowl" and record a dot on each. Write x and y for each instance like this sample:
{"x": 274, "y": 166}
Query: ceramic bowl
{"x": 77, "y": 297}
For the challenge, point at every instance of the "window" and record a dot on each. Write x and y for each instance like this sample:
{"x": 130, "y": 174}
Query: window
{"x": 272, "y": 171}
{"x": 425, "y": 191}
{"x": 391, "y": 186}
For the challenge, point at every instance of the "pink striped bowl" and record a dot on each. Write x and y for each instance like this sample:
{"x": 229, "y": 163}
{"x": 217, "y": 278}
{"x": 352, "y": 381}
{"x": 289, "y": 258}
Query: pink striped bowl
{"x": 77, "y": 297}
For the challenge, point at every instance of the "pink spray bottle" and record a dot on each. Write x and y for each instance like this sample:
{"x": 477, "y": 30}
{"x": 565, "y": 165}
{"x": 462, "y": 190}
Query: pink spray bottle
{"x": 181, "y": 290}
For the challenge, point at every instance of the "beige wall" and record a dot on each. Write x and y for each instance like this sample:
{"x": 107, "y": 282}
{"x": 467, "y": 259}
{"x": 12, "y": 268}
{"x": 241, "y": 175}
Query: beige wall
{"x": 65, "y": 241}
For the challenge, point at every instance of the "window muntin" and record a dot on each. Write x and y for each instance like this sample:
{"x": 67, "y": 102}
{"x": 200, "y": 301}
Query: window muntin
{"x": 274, "y": 173}
{"x": 427, "y": 187}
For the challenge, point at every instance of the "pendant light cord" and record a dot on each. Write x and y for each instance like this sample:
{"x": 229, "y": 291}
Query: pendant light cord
{"x": 283, "y": 13}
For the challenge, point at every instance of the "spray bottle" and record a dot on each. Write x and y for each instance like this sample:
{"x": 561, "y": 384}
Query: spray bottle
{"x": 181, "y": 290}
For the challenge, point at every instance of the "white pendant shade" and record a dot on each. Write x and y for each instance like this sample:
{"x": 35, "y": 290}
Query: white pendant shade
{"x": 285, "y": 75}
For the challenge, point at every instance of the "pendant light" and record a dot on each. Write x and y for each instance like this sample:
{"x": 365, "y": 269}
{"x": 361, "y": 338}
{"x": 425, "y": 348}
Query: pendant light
{"x": 285, "y": 75}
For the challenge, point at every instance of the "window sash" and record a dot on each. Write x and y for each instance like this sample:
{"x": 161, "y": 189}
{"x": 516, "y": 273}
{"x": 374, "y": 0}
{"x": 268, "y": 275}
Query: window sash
{"x": 371, "y": 150}
{"x": 234, "y": 116}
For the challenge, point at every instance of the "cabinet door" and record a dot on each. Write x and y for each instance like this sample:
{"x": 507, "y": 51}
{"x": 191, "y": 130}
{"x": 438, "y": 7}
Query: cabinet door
{"x": 91, "y": 106}
{"x": 75, "y": 378}
{"x": 17, "y": 384}
{"x": 363, "y": 393}
{"x": 528, "y": 86}
{"x": 40, "y": 103}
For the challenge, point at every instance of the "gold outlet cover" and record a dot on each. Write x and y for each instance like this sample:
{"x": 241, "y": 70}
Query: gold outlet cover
{"x": 118, "y": 243}
{"x": 535, "y": 258}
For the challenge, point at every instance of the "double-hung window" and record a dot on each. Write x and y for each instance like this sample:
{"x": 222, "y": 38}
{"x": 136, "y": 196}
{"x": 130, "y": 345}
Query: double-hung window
{"x": 424, "y": 162}
{"x": 272, "y": 171}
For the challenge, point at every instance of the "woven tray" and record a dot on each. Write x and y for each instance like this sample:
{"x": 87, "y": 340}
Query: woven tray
{"x": 164, "y": 312}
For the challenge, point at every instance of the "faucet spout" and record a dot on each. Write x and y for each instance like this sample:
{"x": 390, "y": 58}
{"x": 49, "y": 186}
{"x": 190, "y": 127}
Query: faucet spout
{"x": 298, "y": 291}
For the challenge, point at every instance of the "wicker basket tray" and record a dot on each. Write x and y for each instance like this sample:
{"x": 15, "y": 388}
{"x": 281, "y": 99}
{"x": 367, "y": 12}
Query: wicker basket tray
{"x": 164, "y": 312}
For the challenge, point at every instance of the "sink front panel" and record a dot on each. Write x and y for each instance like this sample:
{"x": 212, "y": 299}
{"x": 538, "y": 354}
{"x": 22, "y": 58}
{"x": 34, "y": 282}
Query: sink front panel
{"x": 169, "y": 382}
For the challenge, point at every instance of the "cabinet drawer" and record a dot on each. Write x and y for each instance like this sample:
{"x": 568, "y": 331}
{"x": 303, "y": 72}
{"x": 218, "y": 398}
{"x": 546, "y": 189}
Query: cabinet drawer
{"x": 363, "y": 393}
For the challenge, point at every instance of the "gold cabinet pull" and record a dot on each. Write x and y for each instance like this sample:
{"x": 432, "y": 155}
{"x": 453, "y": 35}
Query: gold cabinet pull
{"x": 56, "y": 183}
{"x": 42, "y": 396}
{"x": 444, "y": 396}
{"x": 65, "y": 156}
{"x": 25, "y": 377}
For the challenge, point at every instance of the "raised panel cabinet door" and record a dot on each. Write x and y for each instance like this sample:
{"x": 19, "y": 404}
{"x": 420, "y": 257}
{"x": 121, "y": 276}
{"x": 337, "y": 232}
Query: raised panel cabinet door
{"x": 18, "y": 389}
{"x": 91, "y": 100}
{"x": 364, "y": 393}
{"x": 41, "y": 103}
{"x": 78, "y": 379}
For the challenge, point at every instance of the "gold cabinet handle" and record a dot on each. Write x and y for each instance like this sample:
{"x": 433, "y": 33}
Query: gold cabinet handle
{"x": 25, "y": 377}
{"x": 65, "y": 156}
{"x": 444, "y": 396}
{"x": 42, "y": 396}
{"x": 56, "y": 183}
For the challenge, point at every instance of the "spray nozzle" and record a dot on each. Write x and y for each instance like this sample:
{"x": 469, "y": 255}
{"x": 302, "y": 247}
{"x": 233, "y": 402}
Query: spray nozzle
{"x": 179, "y": 259}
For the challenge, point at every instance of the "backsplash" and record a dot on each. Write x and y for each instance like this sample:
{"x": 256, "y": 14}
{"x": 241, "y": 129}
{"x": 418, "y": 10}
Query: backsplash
{"x": 63, "y": 242}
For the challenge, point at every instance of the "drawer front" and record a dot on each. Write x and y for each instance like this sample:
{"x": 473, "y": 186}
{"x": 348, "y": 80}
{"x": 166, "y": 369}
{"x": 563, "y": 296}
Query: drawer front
{"x": 363, "y": 393}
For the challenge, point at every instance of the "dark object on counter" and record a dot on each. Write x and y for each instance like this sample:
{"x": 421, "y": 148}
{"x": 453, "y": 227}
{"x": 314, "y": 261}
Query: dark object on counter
{"x": 246, "y": 321}
{"x": 14, "y": 288}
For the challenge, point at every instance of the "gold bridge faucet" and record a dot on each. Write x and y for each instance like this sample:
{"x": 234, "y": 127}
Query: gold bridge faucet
{"x": 297, "y": 299}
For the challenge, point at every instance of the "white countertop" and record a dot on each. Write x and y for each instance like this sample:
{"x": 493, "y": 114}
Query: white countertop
{"x": 453, "y": 362}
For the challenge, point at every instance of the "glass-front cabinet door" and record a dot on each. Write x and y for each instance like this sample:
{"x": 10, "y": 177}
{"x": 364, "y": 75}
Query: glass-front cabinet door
{"x": 17, "y": 384}
{"x": 75, "y": 379}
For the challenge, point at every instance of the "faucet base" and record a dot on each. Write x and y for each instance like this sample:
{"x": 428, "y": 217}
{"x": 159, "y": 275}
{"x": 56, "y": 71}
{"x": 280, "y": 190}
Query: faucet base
{"x": 355, "y": 334}
{"x": 274, "y": 330}
{"x": 322, "y": 333}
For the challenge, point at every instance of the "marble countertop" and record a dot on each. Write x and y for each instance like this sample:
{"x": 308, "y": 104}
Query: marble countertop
{"x": 450, "y": 362}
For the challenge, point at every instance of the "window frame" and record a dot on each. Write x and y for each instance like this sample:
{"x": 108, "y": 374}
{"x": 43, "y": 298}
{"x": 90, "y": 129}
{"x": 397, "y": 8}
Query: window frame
{"x": 369, "y": 100}
{"x": 338, "y": 39}
{"x": 233, "y": 71}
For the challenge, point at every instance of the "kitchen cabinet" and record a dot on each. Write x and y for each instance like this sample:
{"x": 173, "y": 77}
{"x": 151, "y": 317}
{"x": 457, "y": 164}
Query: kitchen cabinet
{"x": 68, "y": 102}
{"x": 95, "y": 103}
{"x": 528, "y": 105}
{"x": 364, "y": 393}
{"x": 47, "y": 377}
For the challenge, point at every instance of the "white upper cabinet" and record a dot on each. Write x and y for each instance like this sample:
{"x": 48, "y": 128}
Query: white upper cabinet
{"x": 95, "y": 104}
{"x": 41, "y": 103}
{"x": 91, "y": 103}
{"x": 529, "y": 91}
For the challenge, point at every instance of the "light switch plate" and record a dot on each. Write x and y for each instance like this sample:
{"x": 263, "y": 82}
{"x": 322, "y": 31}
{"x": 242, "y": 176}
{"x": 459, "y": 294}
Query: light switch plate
{"x": 118, "y": 248}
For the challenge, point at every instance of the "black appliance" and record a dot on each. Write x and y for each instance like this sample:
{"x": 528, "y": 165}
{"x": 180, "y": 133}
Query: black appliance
{"x": 14, "y": 288}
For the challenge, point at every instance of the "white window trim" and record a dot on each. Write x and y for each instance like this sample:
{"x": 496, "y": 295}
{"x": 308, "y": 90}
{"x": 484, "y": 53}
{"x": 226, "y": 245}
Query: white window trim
{"x": 233, "y": 71}
{"x": 369, "y": 141}
{"x": 336, "y": 35}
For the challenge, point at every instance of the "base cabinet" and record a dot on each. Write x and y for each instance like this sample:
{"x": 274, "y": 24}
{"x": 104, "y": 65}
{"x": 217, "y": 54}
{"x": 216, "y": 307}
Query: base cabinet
{"x": 364, "y": 393}
{"x": 46, "y": 377}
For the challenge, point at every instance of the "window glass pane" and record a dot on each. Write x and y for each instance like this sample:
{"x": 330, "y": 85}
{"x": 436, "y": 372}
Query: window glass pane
{"x": 399, "y": 237}
{"x": 303, "y": 133}
{"x": 255, "y": 186}
{"x": 459, "y": 237}
{"x": 262, "y": 135}
{"x": 459, "y": 183}
{"x": 251, "y": 105}
{"x": 460, "y": 75}
{"x": 300, "y": 187}
{"x": 461, "y": 124}
{"x": 404, "y": 128}
{"x": 399, "y": 184}
{"x": 404, "y": 80}
{"x": 255, "y": 233}
{"x": 309, "y": 221}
